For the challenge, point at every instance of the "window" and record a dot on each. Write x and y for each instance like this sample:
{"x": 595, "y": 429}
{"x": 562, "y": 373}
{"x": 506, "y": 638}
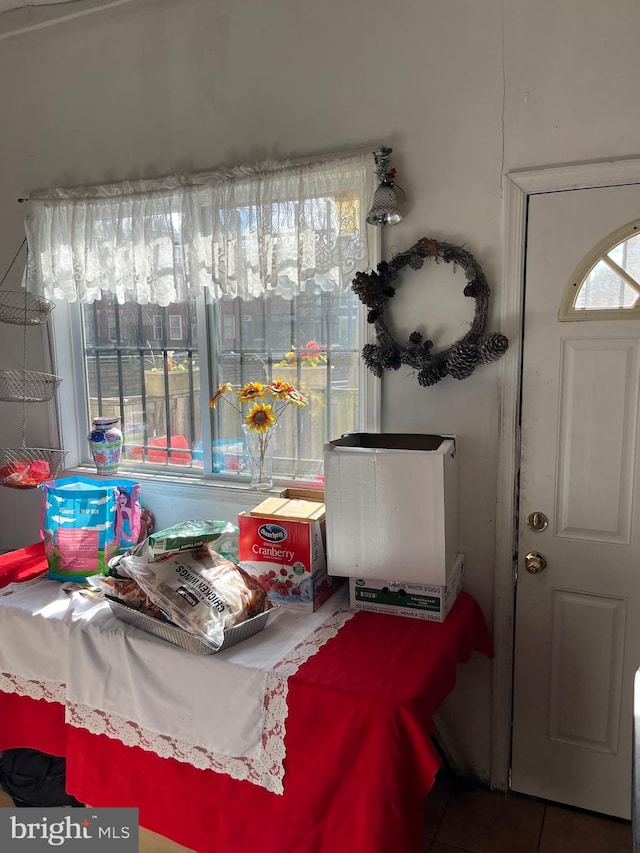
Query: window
{"x": 228, "y": 329}
{"x": 313, "y": 342}
{"x": 154, "y": 389}
{"x": 233, "y": 292}
{"x": 157, "y": 327}
{"x": 607, "y": 280}
{"x": 112, "y": 332}
{"x": 175, "y": 327}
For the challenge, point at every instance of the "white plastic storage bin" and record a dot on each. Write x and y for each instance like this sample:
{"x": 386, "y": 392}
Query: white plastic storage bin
{"x": 391, "y": 503}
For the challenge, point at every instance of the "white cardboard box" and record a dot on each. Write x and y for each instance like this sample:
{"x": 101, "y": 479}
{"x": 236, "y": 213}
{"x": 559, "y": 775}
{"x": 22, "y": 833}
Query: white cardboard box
{"x": 418, "y": 601}
{"x": 391, "y": 504}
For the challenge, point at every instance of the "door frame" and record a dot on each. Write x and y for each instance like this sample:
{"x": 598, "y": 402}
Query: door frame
{"x": 518, "y": 189}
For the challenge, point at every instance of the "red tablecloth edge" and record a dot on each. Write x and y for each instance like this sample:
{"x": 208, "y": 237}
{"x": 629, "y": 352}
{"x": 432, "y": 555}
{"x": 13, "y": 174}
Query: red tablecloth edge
{"x": 23, "y": 564}
{"x": 32, "y": 724}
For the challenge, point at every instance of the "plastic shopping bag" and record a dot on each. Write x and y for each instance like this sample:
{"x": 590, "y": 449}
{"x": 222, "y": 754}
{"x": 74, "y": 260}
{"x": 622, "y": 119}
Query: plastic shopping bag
{"x": 84, "y": 523}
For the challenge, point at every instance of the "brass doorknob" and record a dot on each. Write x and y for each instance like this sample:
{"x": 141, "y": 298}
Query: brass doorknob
{"x": 535, "y": 562}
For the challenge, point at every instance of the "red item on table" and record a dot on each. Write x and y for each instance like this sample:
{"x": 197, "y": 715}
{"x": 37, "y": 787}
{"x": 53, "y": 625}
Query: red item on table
{"x": 22, "y": 565}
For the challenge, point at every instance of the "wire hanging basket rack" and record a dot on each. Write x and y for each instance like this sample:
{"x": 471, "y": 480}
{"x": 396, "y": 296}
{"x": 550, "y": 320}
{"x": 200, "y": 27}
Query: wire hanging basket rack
{"x": 27, "y": 467}
{"x": 23, "y": 308}
{"x": 31, "y": 386}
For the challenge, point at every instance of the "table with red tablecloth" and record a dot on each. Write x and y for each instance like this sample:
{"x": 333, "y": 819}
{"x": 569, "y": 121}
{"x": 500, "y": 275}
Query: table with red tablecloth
{"x": 359, "y": 755}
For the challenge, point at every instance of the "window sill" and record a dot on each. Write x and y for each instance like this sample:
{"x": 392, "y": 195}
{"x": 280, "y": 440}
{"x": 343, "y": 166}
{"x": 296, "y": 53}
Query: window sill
{"x": 164, "y": 485}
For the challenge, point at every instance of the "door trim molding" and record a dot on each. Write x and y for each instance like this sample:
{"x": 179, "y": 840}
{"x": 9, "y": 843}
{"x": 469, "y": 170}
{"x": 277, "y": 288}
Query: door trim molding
{"x": 519, "y": 187}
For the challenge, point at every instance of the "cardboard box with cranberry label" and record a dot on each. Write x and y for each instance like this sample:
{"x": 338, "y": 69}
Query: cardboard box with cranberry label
{"x": 282, "y": 544}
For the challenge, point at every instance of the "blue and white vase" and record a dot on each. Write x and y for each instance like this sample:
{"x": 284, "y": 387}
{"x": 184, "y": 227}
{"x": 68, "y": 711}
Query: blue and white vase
{"x": 105, "y": 441}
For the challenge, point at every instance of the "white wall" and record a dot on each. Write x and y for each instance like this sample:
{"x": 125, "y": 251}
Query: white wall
{"x": 461, "y": 90}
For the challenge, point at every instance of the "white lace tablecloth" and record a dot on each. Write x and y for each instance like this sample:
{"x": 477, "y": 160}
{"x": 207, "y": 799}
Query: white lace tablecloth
{"x": 226, "y": 712}
{"x": 35, "y": 623}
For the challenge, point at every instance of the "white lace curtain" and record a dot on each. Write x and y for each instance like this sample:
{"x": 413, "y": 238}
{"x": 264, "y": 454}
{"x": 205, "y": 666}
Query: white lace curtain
{"x": 250, "y": 231}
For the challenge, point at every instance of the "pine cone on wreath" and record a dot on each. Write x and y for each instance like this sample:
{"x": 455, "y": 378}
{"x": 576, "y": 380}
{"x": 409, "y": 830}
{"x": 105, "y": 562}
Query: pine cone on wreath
{"x": 368, "y": 288}
{"x": 371, "y": 357}
{"x": 492, "y": 347}
{"x": 462, "y": 361}
{"x": 414, "y": 344}
{"x": 431, "y": 374}
{"x": 391, "y": 359}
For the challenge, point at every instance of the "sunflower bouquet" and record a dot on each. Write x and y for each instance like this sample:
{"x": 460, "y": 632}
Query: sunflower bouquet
{"x": 266, "y": 404}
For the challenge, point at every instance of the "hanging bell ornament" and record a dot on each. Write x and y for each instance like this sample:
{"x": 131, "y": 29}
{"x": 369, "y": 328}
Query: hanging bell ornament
{"x": 384, "y": 209}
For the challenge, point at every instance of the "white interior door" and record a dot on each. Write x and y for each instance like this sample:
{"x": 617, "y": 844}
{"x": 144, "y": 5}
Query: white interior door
{"x": 577, "y": 628}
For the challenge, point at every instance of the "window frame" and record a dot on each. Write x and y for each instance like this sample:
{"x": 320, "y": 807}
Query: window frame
{"x": 73, "y": 406}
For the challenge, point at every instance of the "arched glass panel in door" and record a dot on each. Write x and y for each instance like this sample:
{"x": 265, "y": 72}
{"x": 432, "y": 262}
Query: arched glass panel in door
{"x": 607, "y": 280}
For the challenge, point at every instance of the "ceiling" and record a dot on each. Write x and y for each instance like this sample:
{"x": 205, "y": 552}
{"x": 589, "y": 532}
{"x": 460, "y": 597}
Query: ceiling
{"x": 8, "y": 5}
{"x": 21, "y": 16}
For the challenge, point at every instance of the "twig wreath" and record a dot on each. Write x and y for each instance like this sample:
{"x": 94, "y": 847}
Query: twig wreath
{"x": 374, "y": 289}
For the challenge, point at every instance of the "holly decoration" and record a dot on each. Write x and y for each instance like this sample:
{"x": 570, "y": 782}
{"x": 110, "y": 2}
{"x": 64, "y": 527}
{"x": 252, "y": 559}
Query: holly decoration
{"x": 383, "y": 165}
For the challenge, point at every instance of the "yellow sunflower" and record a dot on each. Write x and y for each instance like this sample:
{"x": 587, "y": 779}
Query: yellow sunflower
{"x": 280, "y": 389}
{"x": 295, "y": 397}
{"x": 222, "y": 389}
{"x": 260, "y": 418}
{"x": 251, "y": 391}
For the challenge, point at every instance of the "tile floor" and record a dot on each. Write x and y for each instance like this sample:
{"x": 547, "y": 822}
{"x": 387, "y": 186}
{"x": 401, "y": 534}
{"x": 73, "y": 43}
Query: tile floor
{"x": 461, "y": 819}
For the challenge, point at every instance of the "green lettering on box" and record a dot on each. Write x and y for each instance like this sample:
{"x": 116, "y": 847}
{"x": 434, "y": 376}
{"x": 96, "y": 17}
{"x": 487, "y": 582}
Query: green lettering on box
{"x": 393, "y": 597}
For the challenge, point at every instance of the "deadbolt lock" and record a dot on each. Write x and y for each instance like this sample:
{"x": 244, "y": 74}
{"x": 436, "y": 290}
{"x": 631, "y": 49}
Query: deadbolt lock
{"x": 535, "y": 562}
{"x": 537, "y": 521}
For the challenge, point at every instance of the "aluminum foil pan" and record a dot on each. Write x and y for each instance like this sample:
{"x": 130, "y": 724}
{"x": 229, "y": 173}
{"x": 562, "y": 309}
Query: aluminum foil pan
{"x": 175, "y": 635}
